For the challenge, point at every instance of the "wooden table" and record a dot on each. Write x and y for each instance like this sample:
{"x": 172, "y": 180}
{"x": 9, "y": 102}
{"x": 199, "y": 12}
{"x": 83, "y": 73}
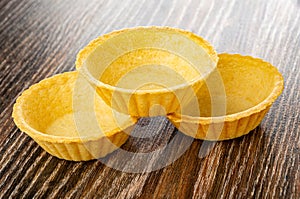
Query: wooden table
{"x": 41, "y": 38}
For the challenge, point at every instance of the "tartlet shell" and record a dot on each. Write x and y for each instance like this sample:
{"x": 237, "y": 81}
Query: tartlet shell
{"x": 138, "y": 103}
{"x": 236, "y": 124}
{"x": 77, "y": 148}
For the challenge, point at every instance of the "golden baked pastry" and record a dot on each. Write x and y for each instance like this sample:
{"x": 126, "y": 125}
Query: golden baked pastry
{"x": 67, "y": 119}
{"x": 147, "y": 71}
{"x": 233, "y": 101}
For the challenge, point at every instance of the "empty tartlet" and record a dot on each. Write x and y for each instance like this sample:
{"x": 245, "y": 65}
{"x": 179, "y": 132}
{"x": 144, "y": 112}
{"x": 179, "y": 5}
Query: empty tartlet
{"x": 147, "y": 71}
{"x": 234, "y": 100}
{"x": 67, "y": 119}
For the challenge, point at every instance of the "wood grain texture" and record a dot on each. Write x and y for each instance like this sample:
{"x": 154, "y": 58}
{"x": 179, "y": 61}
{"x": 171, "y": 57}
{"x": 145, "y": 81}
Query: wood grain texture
{"x": 41, "y": 38}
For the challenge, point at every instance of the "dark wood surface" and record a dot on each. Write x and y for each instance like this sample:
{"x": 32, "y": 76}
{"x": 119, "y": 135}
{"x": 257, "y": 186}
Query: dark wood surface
{"x": 41, "y": 38}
